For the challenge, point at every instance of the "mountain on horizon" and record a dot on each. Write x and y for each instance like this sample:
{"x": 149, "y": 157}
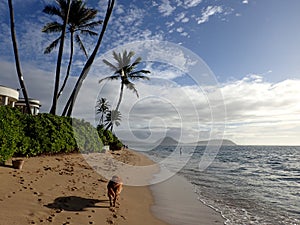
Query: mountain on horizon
{"x": 168, "y": 141}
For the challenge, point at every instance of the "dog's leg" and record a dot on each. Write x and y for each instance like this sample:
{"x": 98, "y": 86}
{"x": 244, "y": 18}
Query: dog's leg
{"x": 115, "y": 198}
{"x": 110, "y": 201}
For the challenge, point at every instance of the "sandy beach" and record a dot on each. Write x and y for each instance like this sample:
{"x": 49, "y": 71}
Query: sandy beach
{"x": 65, "y": 189}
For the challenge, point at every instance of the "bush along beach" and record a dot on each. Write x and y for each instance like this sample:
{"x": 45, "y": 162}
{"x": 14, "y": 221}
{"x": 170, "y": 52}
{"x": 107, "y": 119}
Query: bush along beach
{"x": 27, "y": 135}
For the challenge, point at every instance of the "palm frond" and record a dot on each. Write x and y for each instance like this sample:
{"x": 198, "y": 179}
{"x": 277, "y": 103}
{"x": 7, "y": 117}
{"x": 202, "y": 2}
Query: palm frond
{"x": 88, "y": 32}
{"x": 52, "y": 46}
{"x": 127, "y": 58}
{"x": 137, "y": 77}
{"x": 130, "y": 54}
{"x": 136, "y": 61}
{"x": 52, "y": 27}
{"x": 90, "y": 25}
{"x": 136, "y": 73}
{"x": 52, "y": 10}
{"x": 113, "y": 77}
{"x": 80, "y": 44}
{"x": 88, "y": 14}
{"x": 131, "y": 87}
{"x": 112, "y": 66}
{"x": 115, "y": 55}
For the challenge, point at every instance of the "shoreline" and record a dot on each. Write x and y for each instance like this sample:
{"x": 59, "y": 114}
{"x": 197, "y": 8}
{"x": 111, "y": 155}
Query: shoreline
{"x": 177, "y": 203}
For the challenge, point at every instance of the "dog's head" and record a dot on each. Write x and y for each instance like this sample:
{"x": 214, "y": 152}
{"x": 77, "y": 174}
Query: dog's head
{"x": 117, "y": 179}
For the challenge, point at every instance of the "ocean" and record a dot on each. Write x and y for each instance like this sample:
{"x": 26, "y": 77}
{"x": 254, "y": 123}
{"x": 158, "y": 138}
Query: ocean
{"x": 248, "y": 184}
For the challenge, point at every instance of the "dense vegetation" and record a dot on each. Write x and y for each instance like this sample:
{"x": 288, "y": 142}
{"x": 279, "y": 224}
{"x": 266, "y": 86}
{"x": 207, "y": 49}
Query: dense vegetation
{"x": 27, "y": 135}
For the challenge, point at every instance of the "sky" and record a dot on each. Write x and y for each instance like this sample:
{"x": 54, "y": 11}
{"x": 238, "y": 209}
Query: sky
{"x": 219, "y": 68}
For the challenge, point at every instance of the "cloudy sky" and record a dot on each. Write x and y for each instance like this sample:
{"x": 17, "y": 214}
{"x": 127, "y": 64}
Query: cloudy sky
{"x": 219, "y": 68}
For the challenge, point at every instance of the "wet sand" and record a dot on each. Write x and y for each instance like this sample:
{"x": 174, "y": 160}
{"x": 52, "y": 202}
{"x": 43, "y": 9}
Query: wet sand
{"x": 177, "y": 203}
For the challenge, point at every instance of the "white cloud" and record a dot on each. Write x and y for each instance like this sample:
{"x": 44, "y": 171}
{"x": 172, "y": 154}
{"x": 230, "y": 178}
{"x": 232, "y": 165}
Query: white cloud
{"x": 165, "y": 8}
{"x": 119, "y": 9}
{"x": 245, "y": 2}
{"x": 258, "y": 109}
{"x": 180, "y": 29}
{"x": 191, "y": 3}
{"x": 185, "y": 20}
{"x": 180, "y": 16}
{"x": 170, "y": 24}
{"x": 208, "y": 12}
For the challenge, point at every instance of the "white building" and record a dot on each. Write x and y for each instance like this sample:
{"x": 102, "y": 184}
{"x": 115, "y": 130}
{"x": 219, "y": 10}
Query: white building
{"x": 9, "y": 96}
{"x": 33, "y": 103}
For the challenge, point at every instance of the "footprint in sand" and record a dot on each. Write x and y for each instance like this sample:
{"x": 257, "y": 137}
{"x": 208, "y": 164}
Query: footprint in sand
{"x": 109, "y": 221}
{"x": 49, "y": 219}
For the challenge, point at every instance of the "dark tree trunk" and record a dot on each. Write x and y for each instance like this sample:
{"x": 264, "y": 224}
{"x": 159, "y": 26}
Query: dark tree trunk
{"x": 17, "y": 61}
{"x": 59, "y": 59}
{"x": 120, "y": 97}
{"x": 69, "y": 66}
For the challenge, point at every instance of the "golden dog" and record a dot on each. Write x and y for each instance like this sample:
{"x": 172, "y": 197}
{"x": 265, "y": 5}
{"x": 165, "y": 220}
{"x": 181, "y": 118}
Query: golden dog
{"x": 114, "y": 188}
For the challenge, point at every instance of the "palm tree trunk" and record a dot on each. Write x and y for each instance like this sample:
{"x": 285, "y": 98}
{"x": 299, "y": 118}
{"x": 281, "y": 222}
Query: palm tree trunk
{"x": 109, "y": 126}
{"x": 102, "y": 118}
{"x": 17, "y": 61}
{"x": 69, "y": 65}
{"x": 70, "y": 104}
{"x": 59, "y": 59}
{"x": 121, "y": 96}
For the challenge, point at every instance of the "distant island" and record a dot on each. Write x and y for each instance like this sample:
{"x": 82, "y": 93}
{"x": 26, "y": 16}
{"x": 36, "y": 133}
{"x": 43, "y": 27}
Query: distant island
{"x": 168, "y": 141}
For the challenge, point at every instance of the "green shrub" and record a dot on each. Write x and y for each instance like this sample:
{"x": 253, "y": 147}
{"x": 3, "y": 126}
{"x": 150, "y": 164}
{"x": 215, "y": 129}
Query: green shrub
{"x": 10, "y": 132}
{"x": 108, "y": 138}
{"x": 86, "y": 136}
{"x": 27, "y": 135}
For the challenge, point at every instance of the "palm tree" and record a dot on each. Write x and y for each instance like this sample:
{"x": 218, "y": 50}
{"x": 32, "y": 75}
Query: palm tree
{"x": 102, "y": 108}
{"x": 125, "y": 71}
{"x": 17, "y": 61}
{"x": 80, "y": 20}
{"x": 113, "y": 117}
{"x": 70, "y": 103}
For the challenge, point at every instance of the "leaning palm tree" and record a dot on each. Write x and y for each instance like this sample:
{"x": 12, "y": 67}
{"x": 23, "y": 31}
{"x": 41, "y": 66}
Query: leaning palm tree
{"x": 113, "y": 117}
{"x": 16, "y": 53}
{"x": 126, "y": 72}
{"x": 102, "y": 109}
{"x": 81, "y": 20}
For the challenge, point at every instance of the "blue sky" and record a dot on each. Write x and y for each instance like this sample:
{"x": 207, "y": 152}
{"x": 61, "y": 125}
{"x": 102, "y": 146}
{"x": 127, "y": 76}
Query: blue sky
{"x": 251, "y": 47}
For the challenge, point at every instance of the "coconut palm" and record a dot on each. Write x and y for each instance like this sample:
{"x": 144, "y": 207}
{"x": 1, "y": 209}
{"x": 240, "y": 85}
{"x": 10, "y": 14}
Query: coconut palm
{"x": 126, "y": 72}
{"x": 81, "y": 20}
{"x": 102, "y": 109}
{"x": 68, "y": 109}
{"x": 17, "y": 61}
{"x": 113, "y": 117}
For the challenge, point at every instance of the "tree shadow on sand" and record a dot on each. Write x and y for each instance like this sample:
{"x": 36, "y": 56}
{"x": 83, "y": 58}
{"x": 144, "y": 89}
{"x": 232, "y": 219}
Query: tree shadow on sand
{"x": 75, "y": 203}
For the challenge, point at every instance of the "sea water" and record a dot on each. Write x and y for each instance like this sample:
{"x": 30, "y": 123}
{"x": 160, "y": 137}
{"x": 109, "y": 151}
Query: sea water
{"x": 248, "y": 184}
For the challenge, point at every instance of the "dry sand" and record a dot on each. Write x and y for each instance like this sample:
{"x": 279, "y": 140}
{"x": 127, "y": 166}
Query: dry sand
{"x": 65, "y": 189}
